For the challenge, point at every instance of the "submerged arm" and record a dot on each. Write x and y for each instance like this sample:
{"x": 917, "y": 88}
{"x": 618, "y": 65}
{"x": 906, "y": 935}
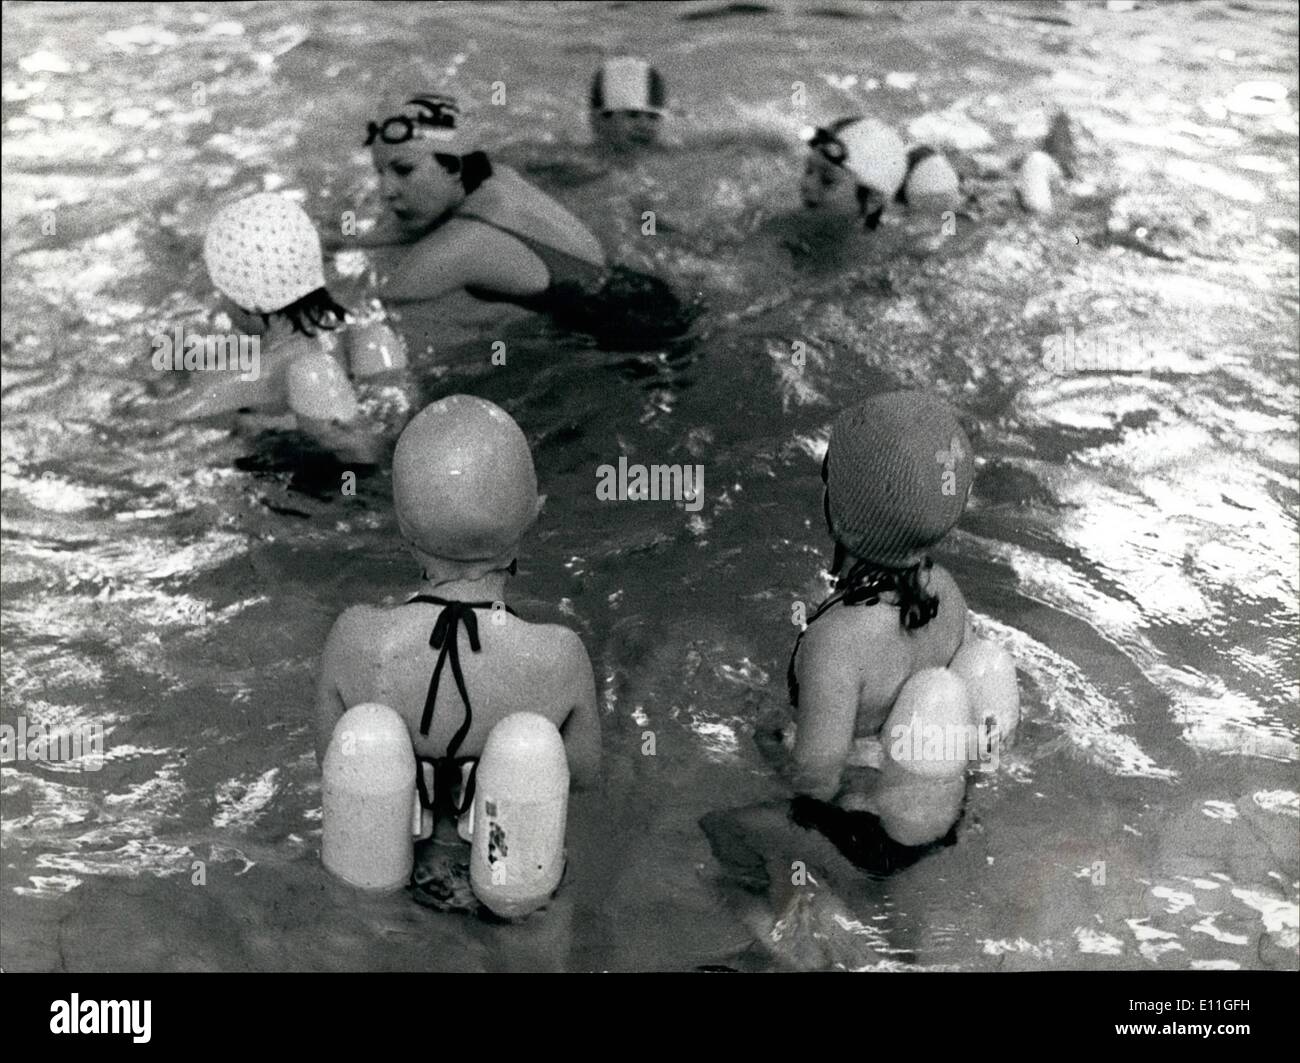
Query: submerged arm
{"x": 213, "y": 394}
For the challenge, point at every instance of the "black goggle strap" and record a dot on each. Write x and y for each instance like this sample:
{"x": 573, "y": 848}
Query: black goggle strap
{"x": 379, "y": 130}
{"x": 444, "y": 109}
{"x": 442, "y": 112}
{"x": 828, "y": 145}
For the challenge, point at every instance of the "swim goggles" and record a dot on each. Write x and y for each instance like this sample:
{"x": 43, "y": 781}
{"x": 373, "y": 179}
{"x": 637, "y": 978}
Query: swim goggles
{"x": 829, "y": 145}
{"x": 440, "y": 112}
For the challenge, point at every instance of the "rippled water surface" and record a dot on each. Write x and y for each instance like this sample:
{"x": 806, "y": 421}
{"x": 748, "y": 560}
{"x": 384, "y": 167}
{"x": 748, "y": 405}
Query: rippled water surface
{"x": 1132, "y": 535}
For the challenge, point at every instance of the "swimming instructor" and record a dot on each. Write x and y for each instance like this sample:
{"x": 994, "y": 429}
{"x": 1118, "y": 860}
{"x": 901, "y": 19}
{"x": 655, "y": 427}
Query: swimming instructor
{"x": 483, "y": 230}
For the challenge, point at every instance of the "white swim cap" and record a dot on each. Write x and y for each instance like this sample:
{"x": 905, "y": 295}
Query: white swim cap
{"x": 424, "y": 116}
{"x": 874, "y": 154}
{"x": 464, "y": 486}
{"x": 626, "y": 83}
{"x": 264, "y": 253}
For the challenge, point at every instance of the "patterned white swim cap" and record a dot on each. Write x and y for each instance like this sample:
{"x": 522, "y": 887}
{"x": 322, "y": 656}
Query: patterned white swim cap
{"x": 264, "y": 253}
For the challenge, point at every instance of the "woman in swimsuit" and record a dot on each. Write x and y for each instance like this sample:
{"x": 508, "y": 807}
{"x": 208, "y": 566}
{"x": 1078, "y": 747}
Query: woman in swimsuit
{"x": 481, "y": 231}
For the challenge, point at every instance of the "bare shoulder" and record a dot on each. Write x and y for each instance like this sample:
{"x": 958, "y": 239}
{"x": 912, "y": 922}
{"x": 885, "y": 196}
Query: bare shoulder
{"x": 846, "y": 628}
{"x": 564, "y": 643}
{"x": 860, "y": 646}
{"x": 355, "y": 627}
{"x": 483, "y": 252}
{"x": 560, "y": 648}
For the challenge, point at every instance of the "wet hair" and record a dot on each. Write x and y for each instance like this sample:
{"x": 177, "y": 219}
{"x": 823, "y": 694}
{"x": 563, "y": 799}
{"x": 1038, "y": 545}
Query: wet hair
{"x": 866, "y": 581}
{"x": 315, "y": 310}
{"x": 473, "y": 168}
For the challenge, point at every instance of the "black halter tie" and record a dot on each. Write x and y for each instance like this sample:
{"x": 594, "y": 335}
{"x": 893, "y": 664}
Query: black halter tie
{"x": 444, "y": 639}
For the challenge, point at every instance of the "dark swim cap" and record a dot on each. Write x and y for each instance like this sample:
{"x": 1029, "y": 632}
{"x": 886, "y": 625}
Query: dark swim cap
{"x": 898, "y": 472}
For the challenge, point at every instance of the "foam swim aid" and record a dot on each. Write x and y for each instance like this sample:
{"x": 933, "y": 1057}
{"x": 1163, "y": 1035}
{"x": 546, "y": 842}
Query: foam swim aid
{"x": 319, "y": 389}
{"x": 373, "y": 348}
{"x": 926, "y": 750}
{"x": 521, "y": 802}
{"x": 371, "y": 810}
{"x": 932, "y": 185}
{"x": 1038, "y": 173}
{"x": 990, "y": 676}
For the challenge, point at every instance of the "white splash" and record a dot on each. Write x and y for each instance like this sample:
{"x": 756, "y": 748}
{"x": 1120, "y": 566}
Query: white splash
{"x": 243, "y": 802}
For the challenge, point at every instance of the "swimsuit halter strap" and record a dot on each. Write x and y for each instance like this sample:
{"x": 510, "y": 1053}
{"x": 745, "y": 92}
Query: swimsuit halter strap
{"x": 791, "y": 680}
{"x": 858, "y": 587}
{"x": 444, "y": 639}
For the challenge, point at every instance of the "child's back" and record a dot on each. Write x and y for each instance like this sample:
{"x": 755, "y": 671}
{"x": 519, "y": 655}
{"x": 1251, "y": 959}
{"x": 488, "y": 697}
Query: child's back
{"x": 883, "y": 655}
{"x": 865, "y": 646}
{"x": 384, "y": 655}
{"x": 453, "y": 661}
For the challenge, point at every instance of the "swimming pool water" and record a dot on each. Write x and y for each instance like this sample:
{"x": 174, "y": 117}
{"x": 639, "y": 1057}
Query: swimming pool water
{"x": 1132, "y": 535}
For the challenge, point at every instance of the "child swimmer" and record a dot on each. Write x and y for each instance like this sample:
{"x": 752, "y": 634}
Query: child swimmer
{"x": 854, "y": 166}
{"x": 853, "y": 169}
{"x": 628, "y": 114}
{"x": 264, "y": 256}
{"x": 481, "y": 230}
{"x": 892, "y": 650}
{"x": 628, "y": 101}
{"x": 465, "y": 493}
